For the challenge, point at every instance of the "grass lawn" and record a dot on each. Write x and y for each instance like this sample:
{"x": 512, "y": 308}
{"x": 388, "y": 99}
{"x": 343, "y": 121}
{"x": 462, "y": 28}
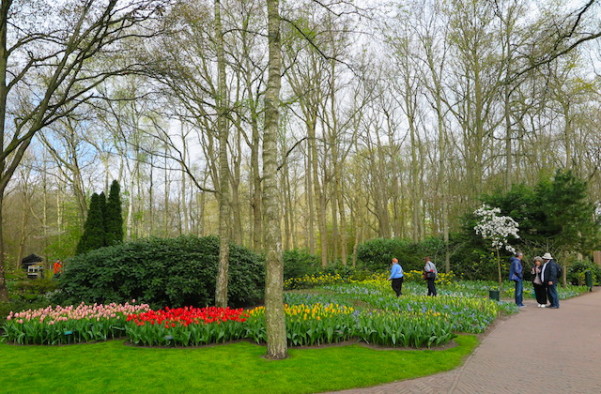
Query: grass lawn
{"x": 238, "y": 367}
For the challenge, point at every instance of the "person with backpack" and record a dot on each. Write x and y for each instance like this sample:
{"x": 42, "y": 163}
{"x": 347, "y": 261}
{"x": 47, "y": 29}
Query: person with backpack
{"x": 549, "y": 276}
{"x": 430, "y": 273}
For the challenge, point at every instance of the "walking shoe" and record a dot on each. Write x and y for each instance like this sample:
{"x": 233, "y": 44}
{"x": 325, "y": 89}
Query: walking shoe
{"x": 543, "y": 306}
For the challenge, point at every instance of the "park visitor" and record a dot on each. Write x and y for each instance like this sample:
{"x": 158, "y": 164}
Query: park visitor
{"x": 549, "y": 275}
{"x": 430, "y": 273}
{"x": 57, "y": 268}
{"x": 396, "y": 277}
{"x": 516, "y": 274}
{"x": 540, "y": 290}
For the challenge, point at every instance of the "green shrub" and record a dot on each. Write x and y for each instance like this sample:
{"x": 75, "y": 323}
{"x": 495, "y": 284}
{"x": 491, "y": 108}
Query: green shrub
{"x": 33, "y": 290}
{"x": 26, "y": 293}
{"x": 576, "y": 272}
{"x": 161, "y": 272}
{"x": 376, "y": 254}
{"x": 298, "y": 263}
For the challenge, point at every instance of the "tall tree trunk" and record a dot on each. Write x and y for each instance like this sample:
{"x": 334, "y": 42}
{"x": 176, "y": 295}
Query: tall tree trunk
{"x": 60, "y": 209}
{"x": 343, "y": 233}
{"x": 45, "y": 209}
{"x": 184, "y": 203}
{"x": 224, "y": 182}
{"x": 166, "y": 198}
{"x": 256, "y": 203}
{"x": 25, "y": 211}
{"x": 201, "y": 198}
{"x": 285, "y": 187}
{"x": 129, "y": 227}
{"x": 3, "y": 288}
{"x": 4, "y": 15}
{"x": 310, "y": 199}
{"x": 274, "y": 282}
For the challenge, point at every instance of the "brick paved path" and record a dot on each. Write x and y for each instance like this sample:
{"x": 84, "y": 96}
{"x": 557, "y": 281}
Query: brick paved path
{"x": 536, "y": 351}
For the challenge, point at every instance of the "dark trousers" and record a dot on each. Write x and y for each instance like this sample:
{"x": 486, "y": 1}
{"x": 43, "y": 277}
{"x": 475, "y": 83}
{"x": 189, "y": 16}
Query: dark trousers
{"x": 397, "y": 285}
{"x": 431, "y": 287}
{"x": 541, "y": 294}
{"x": 552, "y": 294}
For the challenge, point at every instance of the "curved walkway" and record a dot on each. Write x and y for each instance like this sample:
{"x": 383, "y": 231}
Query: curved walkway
{"x": 536, "y": 351}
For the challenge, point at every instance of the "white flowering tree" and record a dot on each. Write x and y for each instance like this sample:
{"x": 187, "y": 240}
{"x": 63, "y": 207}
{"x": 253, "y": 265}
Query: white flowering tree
{"x": 496, "y": 229}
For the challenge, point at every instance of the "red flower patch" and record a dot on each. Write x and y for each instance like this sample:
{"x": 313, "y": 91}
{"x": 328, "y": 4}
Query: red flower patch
{"x": 188, "y": 315}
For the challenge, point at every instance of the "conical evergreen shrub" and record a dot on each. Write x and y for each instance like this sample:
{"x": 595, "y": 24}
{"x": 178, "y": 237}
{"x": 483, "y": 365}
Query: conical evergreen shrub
{"x": 113, "y": 219}
{"x": 94, "y": 233}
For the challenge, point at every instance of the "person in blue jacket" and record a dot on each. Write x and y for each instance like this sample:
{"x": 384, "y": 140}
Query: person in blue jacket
{"x": 396, "y": 277}
{"x": 516, "y": 274}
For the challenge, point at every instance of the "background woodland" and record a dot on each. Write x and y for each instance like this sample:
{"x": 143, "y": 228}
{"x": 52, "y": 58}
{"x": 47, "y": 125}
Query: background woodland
{"x": 395, "y": 117}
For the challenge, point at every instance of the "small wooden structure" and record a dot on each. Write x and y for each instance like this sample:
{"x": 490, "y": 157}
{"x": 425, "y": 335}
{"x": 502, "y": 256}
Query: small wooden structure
{"x": 34, "y": 266}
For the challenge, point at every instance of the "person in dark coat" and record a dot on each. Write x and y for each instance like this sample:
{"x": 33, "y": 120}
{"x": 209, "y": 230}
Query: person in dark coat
{"x": 549, "y": 278}
{"x": 540, "y": 290}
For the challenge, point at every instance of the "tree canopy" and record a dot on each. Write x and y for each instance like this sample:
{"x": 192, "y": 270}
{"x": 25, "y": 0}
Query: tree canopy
{"x": 555, "y": 215}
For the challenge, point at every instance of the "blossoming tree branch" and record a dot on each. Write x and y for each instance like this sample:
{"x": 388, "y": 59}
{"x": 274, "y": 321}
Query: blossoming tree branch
{"x": 496, "y": 229}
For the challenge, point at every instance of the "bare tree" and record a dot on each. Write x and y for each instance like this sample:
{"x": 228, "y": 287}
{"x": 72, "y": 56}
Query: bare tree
{"x": 274, "y": 279}
{"x": 44, "y": 68}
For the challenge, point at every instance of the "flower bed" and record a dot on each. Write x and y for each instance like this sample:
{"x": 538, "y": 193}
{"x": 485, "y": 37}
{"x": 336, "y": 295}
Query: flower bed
{"x": 308, "y": 325}
{"x": 404, "y": 329}
{"x": 317, "y": 324}
{"x": 367, "y": 311}
{"x": 62, "y": 325}
{"x": 466, "y": 314}
{"x": 186, "y": 326}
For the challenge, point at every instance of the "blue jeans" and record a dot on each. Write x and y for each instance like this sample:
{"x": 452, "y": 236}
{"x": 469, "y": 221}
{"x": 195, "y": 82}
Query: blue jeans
{"x": 552, "y": 293}
{"x": 519, "y": 291}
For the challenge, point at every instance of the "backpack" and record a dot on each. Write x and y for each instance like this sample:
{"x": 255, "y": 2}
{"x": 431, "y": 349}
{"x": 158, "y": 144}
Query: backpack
{"x": 559, "y": 270}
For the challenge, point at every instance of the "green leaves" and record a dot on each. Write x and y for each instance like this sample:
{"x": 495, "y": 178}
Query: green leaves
{"x": 35, "y": 332}
{"x": 94, "y": 233}
{"x": 174, "y": 272}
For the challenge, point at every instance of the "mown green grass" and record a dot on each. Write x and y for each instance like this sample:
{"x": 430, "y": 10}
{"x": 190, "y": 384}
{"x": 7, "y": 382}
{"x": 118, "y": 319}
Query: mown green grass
{"x": 233, "y": 368}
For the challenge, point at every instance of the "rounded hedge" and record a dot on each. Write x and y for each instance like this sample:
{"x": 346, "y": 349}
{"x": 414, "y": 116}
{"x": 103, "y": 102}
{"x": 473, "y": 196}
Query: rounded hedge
{"x": 162, "y": 272}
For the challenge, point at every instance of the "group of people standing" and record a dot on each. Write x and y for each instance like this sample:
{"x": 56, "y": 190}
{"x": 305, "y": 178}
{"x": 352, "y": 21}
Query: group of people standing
{"x": 545, "y": 275}
{"x": 397, "y": 276}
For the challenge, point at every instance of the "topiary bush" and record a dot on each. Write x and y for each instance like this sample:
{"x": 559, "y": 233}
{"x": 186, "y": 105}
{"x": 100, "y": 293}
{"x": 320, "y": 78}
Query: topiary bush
{"x": 161, "y": 272}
